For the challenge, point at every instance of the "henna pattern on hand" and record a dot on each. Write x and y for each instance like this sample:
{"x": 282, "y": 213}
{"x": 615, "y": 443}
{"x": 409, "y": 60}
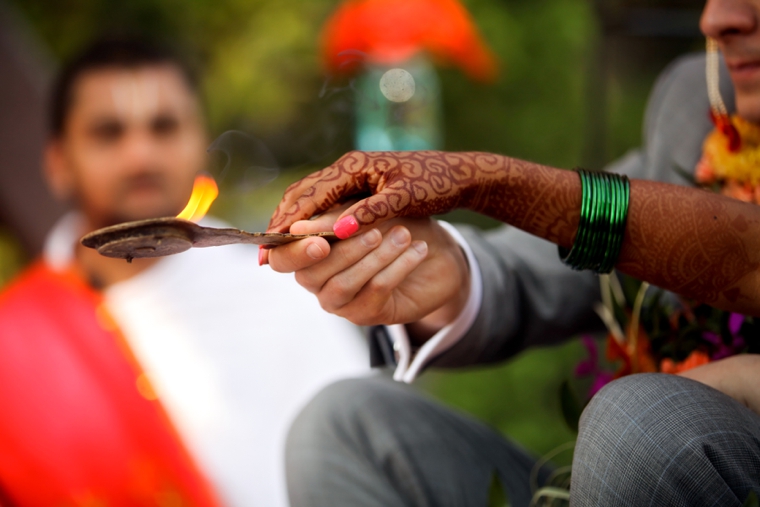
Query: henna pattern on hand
{"x": 424, "y": 183}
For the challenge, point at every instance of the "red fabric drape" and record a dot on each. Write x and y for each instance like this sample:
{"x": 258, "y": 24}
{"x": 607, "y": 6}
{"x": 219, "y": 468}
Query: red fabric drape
{"x": 390, "y": 31}
{"x": 75, "y": 429}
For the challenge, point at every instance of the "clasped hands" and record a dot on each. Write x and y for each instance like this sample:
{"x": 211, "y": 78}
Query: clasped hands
{"x": 392, "y": 269}
{"x": 403, "y": 271}
{"x": 395, "y": 265}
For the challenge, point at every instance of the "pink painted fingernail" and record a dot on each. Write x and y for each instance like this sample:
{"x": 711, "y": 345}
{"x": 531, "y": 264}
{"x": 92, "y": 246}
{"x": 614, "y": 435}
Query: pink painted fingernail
{"x": 262, "y": 254}
{"x": 346, "y": 227}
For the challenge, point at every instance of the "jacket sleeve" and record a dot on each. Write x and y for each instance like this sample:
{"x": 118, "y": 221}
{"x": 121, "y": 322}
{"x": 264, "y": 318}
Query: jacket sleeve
{"x": 529, "y": 296}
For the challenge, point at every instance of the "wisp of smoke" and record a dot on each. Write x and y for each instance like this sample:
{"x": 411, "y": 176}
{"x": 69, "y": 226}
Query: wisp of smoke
{"x": 249, "y": 163}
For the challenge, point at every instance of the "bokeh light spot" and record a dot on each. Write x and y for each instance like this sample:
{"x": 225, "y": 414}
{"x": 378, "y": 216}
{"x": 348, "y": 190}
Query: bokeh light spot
{"x": 397, "y": 85}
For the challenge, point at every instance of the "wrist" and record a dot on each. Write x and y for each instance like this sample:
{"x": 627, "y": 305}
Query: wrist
{"x": 422, "y": 330}
{"x": 456, "y": 294}
{"x": 488, "y": 177}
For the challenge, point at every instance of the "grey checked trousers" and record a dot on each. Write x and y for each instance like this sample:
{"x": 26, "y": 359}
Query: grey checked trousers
{"x": 645, "y": 440}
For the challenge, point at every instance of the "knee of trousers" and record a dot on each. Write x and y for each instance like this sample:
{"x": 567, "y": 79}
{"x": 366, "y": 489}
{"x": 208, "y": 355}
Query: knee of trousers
{"x": 347, "y": 414}
{"x": 642, "y": 429}
{"x": 624, "y": 410}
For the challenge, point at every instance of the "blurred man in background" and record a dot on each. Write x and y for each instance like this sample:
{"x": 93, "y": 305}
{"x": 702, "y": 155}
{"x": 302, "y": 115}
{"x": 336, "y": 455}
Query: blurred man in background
{"x": 160, "y": 382}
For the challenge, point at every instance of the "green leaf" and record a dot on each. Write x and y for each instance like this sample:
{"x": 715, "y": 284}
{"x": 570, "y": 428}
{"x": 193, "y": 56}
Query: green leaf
{"x": 752, "y": 500}
{"x": 688, "y": 176}
{"x": 496, "y": 495}
{"x": 571, "y": 407}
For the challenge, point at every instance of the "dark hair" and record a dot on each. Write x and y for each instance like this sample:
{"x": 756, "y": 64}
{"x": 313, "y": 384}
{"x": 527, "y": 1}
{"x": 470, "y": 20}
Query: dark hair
{"x": 125, "y": 53}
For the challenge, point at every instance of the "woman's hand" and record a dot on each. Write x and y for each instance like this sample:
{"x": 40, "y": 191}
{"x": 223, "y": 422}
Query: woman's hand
{"x": 401, "y": 184}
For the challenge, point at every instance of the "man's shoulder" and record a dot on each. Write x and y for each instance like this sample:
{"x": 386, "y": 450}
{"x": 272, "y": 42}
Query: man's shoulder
{"x": 677, "y": 120}
{"x": 688, "y": 68}
{"x": 23, "y": 283}
{"x": 34, "y": 290}
{"x": 681, "y": 91}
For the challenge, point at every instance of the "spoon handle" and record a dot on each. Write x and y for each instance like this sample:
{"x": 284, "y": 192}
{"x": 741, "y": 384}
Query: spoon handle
{"x": 207, "y": 236}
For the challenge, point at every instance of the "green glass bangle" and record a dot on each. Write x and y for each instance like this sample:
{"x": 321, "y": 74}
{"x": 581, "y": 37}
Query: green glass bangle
{"x": 619, "y": 233}
{"x": 625, "y": 192}
{"x": 601, "y": 227}
{"x": 601, "y": 221}
{"x": 610, "y": 253}
{"x": 610, "y": 229}
{"x": 615, "y": 196}
{"x": 572, "y": 256}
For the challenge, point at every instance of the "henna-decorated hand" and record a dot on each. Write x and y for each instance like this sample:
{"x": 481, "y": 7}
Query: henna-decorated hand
{"x": 533, "y": 197}
{"x": 403, "y": 184}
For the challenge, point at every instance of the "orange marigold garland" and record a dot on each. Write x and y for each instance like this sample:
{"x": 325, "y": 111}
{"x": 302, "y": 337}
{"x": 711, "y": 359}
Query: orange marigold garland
{"x": 730, "y": 162}
{"x": 734, "y": 173}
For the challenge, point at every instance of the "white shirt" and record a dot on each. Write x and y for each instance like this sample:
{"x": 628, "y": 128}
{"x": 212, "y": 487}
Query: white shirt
{"x": 410, "y": 366}
{"x": 233, "y": 350}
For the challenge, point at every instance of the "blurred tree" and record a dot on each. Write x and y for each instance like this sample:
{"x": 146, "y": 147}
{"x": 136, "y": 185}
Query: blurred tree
{"x": 258, "y": 56}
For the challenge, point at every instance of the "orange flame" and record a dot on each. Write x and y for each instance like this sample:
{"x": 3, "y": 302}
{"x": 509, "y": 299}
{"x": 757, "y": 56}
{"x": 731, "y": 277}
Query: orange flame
{"x": 204, "y": 194}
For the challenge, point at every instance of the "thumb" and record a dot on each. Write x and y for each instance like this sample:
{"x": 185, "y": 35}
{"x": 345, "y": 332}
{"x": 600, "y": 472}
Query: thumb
{"x": 372, "y": 211}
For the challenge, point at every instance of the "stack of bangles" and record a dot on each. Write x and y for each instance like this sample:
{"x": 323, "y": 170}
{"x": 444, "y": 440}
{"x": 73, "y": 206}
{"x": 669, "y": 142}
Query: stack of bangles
{"x": 604, "y": 209}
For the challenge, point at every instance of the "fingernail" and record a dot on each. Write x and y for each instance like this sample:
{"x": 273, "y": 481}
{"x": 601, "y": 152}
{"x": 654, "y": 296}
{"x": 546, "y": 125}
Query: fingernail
{"x": 371, "y": 239}
{"x": 399, "y": 236}
{"x": 345, "y": 227}
{"x": 420, "y": 246}
{"x": 262, "y": 254}
{"x": 314, "y": 251}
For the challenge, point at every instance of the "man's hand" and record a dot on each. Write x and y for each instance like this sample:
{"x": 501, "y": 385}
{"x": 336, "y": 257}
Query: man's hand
{"x": 737, "y": 377}
{"x": 405, "y": 271}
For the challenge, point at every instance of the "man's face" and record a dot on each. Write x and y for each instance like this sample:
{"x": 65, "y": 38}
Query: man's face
{"x": 132, "y": 144}
{"x": 734, "y": 24}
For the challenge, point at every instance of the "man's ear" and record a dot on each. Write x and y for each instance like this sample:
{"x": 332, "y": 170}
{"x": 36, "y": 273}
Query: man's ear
{"x": 57, "y": 171}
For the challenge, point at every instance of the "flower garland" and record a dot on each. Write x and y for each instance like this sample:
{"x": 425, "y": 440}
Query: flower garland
{"x": 729, "y": 167}
{"x": 661, "y": 332}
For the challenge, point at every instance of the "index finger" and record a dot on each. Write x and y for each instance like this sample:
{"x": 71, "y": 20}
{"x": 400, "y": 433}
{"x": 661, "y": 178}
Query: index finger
{"x": 298, "y": 255}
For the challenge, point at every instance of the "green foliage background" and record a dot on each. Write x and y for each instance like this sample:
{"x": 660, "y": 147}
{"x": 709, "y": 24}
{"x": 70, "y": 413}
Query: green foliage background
{"x": 569, "y": 93}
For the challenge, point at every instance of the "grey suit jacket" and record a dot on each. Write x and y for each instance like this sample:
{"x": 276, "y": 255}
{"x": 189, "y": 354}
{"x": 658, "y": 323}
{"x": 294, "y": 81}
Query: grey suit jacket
{"x": 530, "y": 297}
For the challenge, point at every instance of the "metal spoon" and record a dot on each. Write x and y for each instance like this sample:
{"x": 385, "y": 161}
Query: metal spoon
{"x": 158, "y": 237}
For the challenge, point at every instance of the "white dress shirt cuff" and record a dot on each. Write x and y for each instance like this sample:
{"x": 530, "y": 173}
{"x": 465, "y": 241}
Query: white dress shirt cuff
{"x": 411, "y": 365}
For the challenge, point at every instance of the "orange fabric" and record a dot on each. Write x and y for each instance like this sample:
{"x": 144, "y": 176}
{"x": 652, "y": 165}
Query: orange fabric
{"x": 391, "y": 31}
{"x": 74, "y": 429}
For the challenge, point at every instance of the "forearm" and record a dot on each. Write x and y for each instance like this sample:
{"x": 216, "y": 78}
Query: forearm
{"x": 696, "y": 243}
{"x": 540, "y": 200}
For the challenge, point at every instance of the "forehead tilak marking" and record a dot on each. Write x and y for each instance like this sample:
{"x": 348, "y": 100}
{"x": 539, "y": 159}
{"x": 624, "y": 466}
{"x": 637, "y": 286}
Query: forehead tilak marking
{"x": 136, "y": 97}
